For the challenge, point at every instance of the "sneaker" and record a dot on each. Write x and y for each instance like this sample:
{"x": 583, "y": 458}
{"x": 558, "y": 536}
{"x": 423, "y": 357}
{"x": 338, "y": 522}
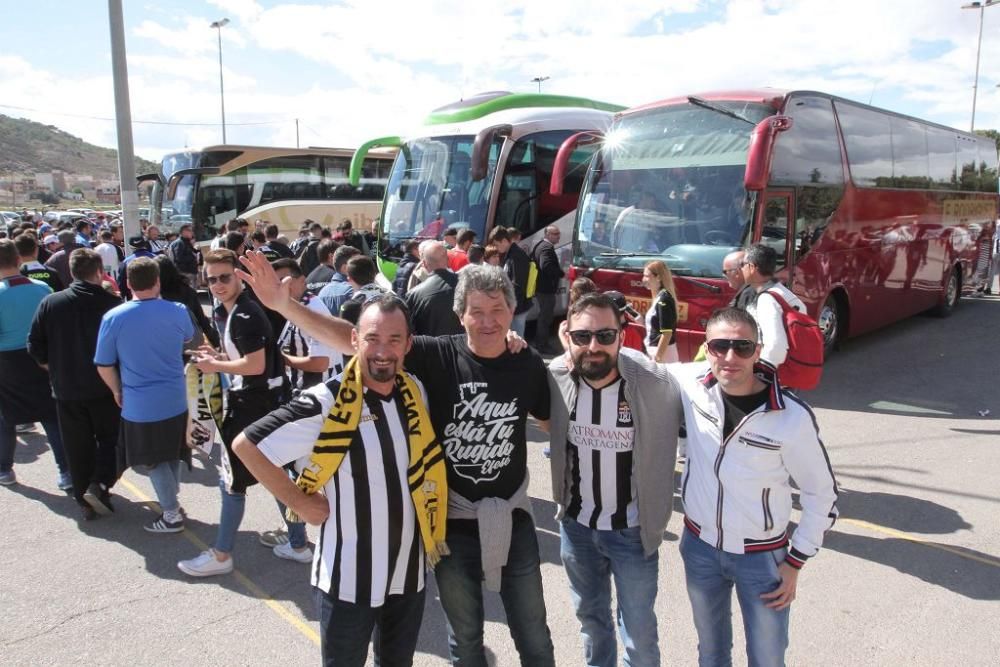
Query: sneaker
{"x": 205, "y": 565}
{"x": 161, "y": 525}
{"x": 99, "y": 498}
{"x": 273, "y": 538}
{"x": 8, "y": 478}
{"x": 65, "y": 482}
{"x": 88, "y": 512}
{"x": 287, "y": 552}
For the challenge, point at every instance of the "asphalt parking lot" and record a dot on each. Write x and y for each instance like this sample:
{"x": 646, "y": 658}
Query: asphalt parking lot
{"x": 910, "y": 575}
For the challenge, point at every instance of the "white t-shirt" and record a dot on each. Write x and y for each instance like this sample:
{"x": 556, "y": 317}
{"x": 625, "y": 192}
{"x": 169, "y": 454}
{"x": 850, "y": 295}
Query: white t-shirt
{"x": 109, "y": 257}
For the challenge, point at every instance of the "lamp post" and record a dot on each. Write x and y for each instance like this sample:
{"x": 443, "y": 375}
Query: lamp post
{"x": 539, "y": 79}
{"x": 981, "y": 6}
{"x": 222, "y": 90}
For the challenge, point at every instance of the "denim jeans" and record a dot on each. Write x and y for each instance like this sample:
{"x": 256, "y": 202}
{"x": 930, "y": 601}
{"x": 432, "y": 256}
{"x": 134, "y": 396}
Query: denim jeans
{"x": 460, "y": 585}
{"x": 166, "y": 480}
{"x": 8, "y": 444}
{"x": 346, "y": 629}
{"x": 710, "y": 575}
{"x": 296, "y": 531}
{"x": 233, "y": 506}
{"x": 591, "y": 559}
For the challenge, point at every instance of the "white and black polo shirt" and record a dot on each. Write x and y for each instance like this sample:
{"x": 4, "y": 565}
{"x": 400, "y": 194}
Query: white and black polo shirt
{"x": 370, "y": 546}
{"x": 298, "y": 343}
{"x": 599, "y": 448}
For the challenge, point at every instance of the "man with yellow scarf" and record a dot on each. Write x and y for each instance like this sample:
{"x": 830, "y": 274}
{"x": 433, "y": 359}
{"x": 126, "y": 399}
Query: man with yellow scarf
{"x": 365, "y": 439}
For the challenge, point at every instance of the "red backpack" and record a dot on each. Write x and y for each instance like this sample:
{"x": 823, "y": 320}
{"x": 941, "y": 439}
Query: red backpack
{"x": 803, "y": 366}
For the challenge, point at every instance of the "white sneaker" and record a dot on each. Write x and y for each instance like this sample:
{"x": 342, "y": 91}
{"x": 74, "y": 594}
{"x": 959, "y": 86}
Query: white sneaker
{"x": 288, "y": 553}
{"x": 205, "y": 565}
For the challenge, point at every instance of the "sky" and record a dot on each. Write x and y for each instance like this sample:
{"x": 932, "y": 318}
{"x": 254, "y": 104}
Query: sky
{"x": 353, "y": 70}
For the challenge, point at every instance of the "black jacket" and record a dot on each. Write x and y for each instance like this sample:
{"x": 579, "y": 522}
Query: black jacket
{"x": 184, "y": 255}
{"x": 403, "y": 273}
{"x": 517, "y": 265}
{"x": 549, "y": 270}
{"x": 431, "y": 305}
{"x": 64, "y": 336}
{"x": 60, "y": 263}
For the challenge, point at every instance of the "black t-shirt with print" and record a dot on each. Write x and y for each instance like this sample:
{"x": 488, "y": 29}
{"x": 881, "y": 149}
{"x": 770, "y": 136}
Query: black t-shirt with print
{"x": 738, "y": 407}
{"x": 479, "y": 408}
{"x": 243, "y": 331}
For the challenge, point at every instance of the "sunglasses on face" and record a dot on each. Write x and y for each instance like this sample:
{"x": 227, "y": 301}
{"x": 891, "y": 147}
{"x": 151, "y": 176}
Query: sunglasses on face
{"x": 583, "y": 337}
{"x": 743, "y": 348}
{"x": 225, "y": 279}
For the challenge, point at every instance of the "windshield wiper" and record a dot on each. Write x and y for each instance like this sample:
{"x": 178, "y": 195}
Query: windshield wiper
{"x": 715, "y": 289}
{"x": 699, "y": 102}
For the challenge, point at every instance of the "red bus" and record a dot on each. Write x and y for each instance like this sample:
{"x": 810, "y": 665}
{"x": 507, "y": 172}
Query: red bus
{"x": 876, "y": 215}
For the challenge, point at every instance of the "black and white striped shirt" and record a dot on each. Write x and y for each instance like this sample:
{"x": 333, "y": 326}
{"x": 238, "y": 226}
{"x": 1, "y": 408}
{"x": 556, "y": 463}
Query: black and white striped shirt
{"x": 370, "y": 546}
{"x": 599, "y": 448}
{"x": 297, "y": 343}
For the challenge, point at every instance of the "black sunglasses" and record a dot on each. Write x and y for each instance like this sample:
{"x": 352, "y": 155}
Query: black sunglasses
{"x": 583, "y": 336}
{"x": 742, "y": 347}
{"x": 224, "y": 279}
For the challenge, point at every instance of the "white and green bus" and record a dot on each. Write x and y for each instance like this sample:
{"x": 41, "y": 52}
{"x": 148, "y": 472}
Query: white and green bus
{"x": 482, "y": 162}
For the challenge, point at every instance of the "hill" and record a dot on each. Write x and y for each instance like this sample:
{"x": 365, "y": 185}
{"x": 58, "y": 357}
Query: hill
{"x": 27, "y": 146}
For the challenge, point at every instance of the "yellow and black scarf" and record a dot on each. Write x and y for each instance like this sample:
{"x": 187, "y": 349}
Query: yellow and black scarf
{"x": 425, "y": 471}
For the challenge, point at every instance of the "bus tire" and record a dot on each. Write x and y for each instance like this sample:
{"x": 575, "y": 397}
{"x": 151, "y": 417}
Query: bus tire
{"x": 952, "y": 293}
{"x": 832, "y": 322}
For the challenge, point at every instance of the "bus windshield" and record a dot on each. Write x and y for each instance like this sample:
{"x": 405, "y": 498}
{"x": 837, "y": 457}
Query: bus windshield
{"x": 431, "y": 189}
{"x": 668, "y": 184}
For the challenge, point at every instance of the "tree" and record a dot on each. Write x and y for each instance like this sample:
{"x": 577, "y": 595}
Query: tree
{"x": 992, "y": 134}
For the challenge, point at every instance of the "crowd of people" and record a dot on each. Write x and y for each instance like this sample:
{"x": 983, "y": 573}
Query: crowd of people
{"x": 397, "y": 421}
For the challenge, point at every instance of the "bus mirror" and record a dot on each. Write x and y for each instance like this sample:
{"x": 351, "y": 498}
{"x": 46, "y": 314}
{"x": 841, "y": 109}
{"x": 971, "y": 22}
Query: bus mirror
{"x": 145, "y": 178}
{"x": 176, "y": 177}
{"x": 481, "y": 149}
{"x": 761, "y": 147}
{"x": 358, "y": 159}
{"x": 563, "y": 156}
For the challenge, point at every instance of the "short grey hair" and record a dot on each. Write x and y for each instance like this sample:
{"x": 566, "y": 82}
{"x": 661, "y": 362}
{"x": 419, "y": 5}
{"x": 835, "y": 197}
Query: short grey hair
{"x": 482, "y": 278}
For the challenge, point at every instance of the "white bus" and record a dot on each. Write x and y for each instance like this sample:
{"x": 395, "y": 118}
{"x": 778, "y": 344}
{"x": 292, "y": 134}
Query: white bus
{"x": 210, "y": 186}
{"x": 482, "y": 162}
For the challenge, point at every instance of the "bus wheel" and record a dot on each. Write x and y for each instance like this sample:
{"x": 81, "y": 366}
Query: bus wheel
{"x": 952, "y": 292}
{"x": 830, "y": 321}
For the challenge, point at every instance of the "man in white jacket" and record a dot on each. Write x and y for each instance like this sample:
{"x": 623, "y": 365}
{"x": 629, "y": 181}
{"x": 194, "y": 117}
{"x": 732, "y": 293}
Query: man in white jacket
{"x": 747, "y": 440}
{"x": 758, "y": 268}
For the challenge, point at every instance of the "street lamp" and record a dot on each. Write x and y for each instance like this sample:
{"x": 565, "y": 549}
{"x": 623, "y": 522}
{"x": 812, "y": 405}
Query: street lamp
{"x": 981, "y": 6}
{"x": 539, "y": 79}
{"x": 222, "y": 91}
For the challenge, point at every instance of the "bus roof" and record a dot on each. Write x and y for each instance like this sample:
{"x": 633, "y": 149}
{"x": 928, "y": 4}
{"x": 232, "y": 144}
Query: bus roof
{"x": 279, "y": 150}
{"x": 775, "y": 98}
{"x": 484, "y": 104}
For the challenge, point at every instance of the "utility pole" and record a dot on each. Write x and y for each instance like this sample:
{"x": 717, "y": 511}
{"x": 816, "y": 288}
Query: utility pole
{"x": 981, "y": 6}
{"x": 296, "y": 132}
{"x": 218, "y": 25}
{"x": 123, "y": 120}
{"x": 538, "y": 80}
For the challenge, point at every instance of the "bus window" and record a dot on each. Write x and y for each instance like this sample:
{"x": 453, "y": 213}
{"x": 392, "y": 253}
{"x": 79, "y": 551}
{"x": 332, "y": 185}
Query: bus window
{"x": 869, "y": 145}
{"x": 941, "y": 158}
{"x": 909, "y": 155}
{"x": 987, "y": 165}
{"x": 774, "y": 231}
{"x": 809, "y": 152}
{"x": 968, "y": 160}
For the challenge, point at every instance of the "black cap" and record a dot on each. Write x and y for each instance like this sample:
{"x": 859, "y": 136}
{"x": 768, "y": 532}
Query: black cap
{"x": 621, "y": 304}
{"x": 138, "y": 243}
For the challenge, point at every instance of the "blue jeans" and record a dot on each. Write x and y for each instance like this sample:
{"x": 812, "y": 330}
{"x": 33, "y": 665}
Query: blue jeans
{"x": 346, "y": 629}
{"x": 591, "y": 559}
{"x": 710, "y": 575}
{"x": 8, "y": 444}
{"x": 233, "y": 507}
{"x": 460, "y": 585}
{"x": 166, "y": 480}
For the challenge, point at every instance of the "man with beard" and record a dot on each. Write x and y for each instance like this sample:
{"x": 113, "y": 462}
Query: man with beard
{"x": 613, "y": 440}
{"x": 480, "y": 397}
{"x": 386, "y": 490}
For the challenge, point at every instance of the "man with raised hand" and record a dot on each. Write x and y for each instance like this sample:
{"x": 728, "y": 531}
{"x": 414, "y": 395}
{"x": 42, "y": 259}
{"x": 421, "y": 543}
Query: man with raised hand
{"x": 365, "y": 439}
{"x": 613, "y": 442}
{"x": 480, "y": 397}
{"x": 747, "y": 440}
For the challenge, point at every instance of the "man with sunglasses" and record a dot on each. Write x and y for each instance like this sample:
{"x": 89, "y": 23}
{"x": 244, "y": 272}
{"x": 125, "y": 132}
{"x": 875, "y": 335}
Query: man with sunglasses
{"x": 747, "y": 439}
{"x": 613, "y": 440}
{"x": 250, "y": 358}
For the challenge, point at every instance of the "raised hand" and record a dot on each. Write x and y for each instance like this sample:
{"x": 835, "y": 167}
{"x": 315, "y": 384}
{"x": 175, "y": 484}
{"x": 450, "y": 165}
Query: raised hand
{"x": 258, "y": 273}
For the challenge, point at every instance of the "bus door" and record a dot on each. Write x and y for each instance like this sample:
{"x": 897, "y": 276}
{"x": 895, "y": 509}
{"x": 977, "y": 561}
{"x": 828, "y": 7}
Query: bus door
{"x": 776, "y": 228}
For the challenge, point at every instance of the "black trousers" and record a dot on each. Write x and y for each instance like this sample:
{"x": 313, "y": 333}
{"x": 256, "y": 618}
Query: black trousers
{"x": 90, "y": 436}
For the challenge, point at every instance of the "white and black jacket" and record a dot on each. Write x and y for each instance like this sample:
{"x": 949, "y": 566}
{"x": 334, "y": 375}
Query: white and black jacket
{"x": 736, "y": 491}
